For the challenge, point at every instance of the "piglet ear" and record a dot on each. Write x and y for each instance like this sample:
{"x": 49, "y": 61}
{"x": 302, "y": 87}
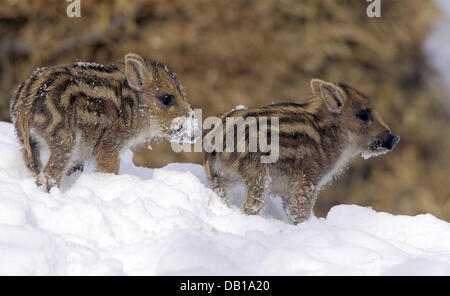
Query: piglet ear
{"x": 136, "y": 72}
{"x": 332, "y": 95}
{"x": 315, "y": 86}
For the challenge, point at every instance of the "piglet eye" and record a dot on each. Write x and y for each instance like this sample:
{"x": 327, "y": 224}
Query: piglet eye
{"x": 166, "y": 99}
{"x": 364, "y": 115}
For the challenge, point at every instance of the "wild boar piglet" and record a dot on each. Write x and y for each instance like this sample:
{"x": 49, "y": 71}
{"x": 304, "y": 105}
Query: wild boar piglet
{"x": 316, "y": 140}
{"x": 87, "y": 110}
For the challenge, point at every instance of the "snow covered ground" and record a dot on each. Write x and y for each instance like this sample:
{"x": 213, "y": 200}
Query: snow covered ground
{"x": 168, "y": 222}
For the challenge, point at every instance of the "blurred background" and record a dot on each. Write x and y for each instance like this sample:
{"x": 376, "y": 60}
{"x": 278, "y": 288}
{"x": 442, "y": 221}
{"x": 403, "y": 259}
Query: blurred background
{"x": 254, "y": 52}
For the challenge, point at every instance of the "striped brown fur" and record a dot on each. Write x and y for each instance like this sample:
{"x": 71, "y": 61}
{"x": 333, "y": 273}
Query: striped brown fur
{"x": 316, "y": 141}
{"x": 86, "y": 109}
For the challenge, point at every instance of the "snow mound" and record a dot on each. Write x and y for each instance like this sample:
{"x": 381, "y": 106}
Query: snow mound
{"x": 168, "y": 222}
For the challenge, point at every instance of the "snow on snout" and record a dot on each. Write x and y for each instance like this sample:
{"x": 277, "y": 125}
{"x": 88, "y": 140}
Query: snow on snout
{"x": 186, "y": 129}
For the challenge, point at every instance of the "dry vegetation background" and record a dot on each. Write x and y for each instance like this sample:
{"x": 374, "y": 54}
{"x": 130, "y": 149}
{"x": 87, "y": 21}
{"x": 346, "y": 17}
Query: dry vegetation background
{"x": 255, "y": 52}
